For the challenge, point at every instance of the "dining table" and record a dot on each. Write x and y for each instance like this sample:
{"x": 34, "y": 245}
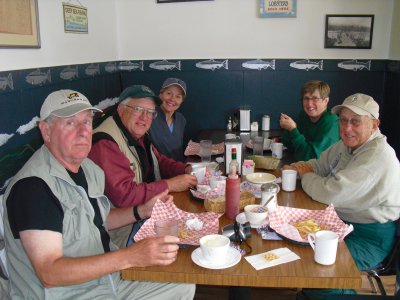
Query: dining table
{"x": 301, "y": 273}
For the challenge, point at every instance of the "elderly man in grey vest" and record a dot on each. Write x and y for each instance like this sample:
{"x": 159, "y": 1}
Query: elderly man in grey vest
{"x": 57, "y": 219}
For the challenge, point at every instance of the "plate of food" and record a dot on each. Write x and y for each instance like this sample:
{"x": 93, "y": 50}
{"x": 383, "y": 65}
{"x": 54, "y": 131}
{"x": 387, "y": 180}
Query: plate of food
{"x": 294, "y": 224}
{"x": 193, "y": 148}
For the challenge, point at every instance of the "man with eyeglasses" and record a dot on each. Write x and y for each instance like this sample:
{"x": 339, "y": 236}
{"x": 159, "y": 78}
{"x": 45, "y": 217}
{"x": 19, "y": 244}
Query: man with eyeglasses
{"x": 57, "y": 220}
{"x": 359, "y": 175}
{"x": 316, "y": 128}
{"x": 135, "y": 171}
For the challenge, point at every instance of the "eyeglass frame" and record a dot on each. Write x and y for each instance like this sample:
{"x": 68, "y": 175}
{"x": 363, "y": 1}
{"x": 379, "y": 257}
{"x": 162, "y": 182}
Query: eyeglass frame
{"x": 354, "y": 122}
{"x": 312, "y": 99}
{"x": 139, "y": 110}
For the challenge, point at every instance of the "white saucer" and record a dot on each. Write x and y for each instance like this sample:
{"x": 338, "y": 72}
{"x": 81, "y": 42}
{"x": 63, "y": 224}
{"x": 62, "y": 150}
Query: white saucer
{"x": 232, "y": 258}
{"x": 241, "y": 218}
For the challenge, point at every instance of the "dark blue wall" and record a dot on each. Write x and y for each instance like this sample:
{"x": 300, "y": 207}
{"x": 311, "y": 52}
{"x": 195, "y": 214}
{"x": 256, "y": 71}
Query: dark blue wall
{"x": 213, "y": 95}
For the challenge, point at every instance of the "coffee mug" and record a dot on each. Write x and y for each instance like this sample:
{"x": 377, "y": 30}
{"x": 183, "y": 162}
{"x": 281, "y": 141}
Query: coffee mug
{"x": 289, "y": 178}
{"x": 324, "y": 244}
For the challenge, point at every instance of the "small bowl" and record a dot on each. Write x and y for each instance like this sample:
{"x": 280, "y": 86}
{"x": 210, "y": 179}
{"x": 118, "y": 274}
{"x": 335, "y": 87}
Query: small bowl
{"x": 256, "y": 214}
{"x": 260, "y": 178}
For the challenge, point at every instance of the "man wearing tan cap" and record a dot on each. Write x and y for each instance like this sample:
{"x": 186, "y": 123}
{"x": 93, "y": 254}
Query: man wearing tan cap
{"x": 360, "y": 176}
{"x": 57, "y": 219}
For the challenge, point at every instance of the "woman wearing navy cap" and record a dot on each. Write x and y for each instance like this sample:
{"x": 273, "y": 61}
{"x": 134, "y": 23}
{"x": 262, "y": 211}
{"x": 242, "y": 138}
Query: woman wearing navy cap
{"x": 168, "y": 127}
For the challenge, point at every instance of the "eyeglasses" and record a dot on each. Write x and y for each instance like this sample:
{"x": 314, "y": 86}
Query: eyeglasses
{"x": 312, "y": 99}
{"x": 353, "y": 122}
{"x": 138, "y": 111}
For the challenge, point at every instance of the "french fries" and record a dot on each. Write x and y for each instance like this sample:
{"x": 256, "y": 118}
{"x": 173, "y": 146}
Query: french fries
{"x": 308, "y": 226}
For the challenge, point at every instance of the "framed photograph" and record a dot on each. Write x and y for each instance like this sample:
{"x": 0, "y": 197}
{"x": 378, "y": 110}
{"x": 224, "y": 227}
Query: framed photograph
{"x": 19, "y": 24}
{"x": 75, "y": 18}
{"x": 277, "y": 9}
{"x": 349, "y": 31}
{"x": 170, "y": 1}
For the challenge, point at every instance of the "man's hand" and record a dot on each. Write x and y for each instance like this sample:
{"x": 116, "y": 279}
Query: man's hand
{"x": 287, "y": 122}
{"x": 181, "y": 183}
{"x": 301, "y": 167}
{"x": 154, "y": 251}
{"x": 145, "y": 209}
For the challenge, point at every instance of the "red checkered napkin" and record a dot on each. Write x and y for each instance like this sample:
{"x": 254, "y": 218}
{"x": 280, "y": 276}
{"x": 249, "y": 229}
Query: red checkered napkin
{"x": 169, "y": 210}
{"x": 283, "y": 217}
{"x": 194, "y": 148}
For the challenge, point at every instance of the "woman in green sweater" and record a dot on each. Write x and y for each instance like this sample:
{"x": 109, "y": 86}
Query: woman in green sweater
{"x": 316, "y": 128}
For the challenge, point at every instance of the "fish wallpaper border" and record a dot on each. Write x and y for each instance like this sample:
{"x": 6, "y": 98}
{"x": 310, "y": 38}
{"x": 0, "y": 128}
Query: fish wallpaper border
{"x": 43, "y": 76}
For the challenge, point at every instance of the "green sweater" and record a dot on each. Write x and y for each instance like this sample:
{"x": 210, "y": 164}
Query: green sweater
{"x": 309, "y": 139}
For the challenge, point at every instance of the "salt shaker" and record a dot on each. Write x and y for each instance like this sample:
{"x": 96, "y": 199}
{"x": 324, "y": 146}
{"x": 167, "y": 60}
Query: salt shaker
{"x": 229, "y": 126}
{"x": 268, "y": 190}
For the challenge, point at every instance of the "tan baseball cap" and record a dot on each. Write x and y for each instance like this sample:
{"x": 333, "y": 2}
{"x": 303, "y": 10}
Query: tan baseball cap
{"x": 65, "y": 103}
{"x": 360, "y": 104}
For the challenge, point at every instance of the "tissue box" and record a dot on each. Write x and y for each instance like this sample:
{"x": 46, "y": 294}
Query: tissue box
{"x": 248, "y": 167}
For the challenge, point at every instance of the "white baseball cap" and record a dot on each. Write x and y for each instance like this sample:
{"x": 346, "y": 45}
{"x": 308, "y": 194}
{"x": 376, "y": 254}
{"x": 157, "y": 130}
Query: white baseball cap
{"x": 65, "y": 103}
{"x": 361, "y": 104}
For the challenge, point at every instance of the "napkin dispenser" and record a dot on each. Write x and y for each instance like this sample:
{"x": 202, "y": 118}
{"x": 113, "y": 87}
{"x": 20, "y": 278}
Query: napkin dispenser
{"x": 244, "y": 113}
{"x": 229, "y": 144}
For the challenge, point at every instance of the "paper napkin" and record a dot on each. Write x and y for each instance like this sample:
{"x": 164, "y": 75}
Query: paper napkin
{"x": 279, "y": 256}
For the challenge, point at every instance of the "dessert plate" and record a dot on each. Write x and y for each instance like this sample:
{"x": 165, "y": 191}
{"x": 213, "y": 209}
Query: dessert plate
{"x": 232, "y": 258}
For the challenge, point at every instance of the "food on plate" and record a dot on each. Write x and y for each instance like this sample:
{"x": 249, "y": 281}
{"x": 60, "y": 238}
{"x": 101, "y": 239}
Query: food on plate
{"x": 270, "y": 256}
{"x": 184, "y": 232}
{"x": 308, "y": 226}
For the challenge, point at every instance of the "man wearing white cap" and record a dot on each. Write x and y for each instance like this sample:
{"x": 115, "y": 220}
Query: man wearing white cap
{"x": 57, "y": 219}
{"x": 360, "y": 176}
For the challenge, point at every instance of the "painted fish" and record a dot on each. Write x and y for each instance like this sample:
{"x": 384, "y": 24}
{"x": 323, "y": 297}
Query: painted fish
{"x": 354, "y": 65}
{"x": 129, "y": 66}
{"x": 6, "y": 81}
{"x": 212, "y": 64}
{"x": 307, "y": 64}
{"x": 38, "y": 78}
{"x": 92, "y": 70}
{"x": 259, "y": 64}
{"x": 111, "y": 67}
{"x": 165, "y": 65}
{"x": 69, "y": 73}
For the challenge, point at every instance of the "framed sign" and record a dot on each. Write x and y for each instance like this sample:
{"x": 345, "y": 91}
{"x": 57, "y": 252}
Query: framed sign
{"x": 19, "y": 24}
{"x": 75, "y": 18}
{"x": 277, "y": 8}
{"x": 170, "y": 1}
{"x": 349, "y": 31}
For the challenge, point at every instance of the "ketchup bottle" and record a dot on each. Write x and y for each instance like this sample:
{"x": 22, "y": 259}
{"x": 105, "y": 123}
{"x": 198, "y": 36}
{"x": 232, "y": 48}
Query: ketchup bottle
{"x": 232, "y": 191}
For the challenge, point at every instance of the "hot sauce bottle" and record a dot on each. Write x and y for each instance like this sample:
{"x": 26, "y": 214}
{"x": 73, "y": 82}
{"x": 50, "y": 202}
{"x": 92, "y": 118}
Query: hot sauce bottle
{"x": 232, "y": 191}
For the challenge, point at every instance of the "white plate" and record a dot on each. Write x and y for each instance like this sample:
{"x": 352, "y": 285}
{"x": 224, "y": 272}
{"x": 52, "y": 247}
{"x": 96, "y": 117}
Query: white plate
{"x": 241, "y": 218}
{"x": 232, "y": 258}
{"x": 250, "y": 146}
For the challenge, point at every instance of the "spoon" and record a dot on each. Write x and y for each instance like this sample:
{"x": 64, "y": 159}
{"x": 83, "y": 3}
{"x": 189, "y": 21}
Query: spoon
{"x": 268, "y": 200}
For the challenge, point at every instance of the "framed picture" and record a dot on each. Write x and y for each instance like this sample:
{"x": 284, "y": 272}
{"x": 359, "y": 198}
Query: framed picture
{"x": 170, "y": 1}
{"x": 277, "y": 9}
{"x": 349, "y": 31}
{"x": 19, "y": 24}
{"x": 75, "y": 18}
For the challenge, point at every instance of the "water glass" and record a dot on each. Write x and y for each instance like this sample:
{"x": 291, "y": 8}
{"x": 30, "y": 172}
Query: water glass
{"x": 166, "y": 227}
{"x": 258, "y": 145}
{"x": 205, "y": 150}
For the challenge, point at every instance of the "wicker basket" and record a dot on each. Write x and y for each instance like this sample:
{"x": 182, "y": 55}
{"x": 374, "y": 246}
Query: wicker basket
{"x": 266, "y": 162}
{"x": 217, "y": 205}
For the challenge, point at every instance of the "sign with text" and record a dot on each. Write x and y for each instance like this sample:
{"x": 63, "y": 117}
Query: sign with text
{"x": 277, "y": 8}
{"x": 75, "y": 18}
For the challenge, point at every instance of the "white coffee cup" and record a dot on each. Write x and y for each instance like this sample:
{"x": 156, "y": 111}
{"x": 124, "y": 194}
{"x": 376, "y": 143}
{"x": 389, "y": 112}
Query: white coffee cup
{"x": 324, "y": 244}
{"x": 214, "y": 247}
{"x": 289, "y": 178}
{"x": 277, "y": 150}
{"x": 200, "y": 173}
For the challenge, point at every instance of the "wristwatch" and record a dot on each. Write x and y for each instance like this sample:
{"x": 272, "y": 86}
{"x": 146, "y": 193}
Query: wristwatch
{"x": 136, "y": 213}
